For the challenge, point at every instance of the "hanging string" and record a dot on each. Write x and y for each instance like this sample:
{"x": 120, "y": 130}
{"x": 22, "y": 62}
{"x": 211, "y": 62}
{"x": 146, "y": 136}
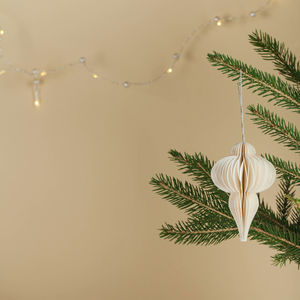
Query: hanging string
{"x": 240, "y": 89}
{"x": 39, "y": 75}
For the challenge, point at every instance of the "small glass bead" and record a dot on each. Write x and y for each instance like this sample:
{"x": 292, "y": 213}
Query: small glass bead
{"x": 82, "y": 60}
{"x": 252, "y": 14}
{"x": 176, "y": 55}
{"x": 35, "y": 72}
{"x": 36, "y": 81}
{"x": 126, "y": 84}
{"x": 216, "y": 19}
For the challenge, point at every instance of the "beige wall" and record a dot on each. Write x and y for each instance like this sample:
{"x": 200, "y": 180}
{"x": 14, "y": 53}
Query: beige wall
{"x": 78, "y": 219}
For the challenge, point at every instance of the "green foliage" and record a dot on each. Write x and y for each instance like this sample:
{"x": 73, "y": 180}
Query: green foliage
{"x": 195, "y": 231}
{"x": 264, "y": 84}
{"x": 270, "y": 49}
{"x": 284, "y": 205}
{"x": 284, "y": 168}
{"x": 198, "y": 167}
{"x": 272, "y": 124}
{"x": 209, "y": 219}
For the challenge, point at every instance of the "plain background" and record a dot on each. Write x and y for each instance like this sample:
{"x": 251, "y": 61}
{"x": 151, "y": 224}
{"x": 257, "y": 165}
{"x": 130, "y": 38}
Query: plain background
{"x": 78, "y": 218}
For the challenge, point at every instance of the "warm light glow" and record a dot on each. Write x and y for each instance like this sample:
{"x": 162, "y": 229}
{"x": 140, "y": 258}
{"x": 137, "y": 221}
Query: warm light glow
{"x": 2, "y": 72}
{"x": 95, "y": 76}
{"x": 219, "y": 22}
{"x": 43, "y": 73}
{"x": 1, "y": 32}
{"x": 37, "y": 103}
{"x": 170, "y": 70}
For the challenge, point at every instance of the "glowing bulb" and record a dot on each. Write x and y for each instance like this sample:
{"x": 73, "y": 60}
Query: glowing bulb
{"x": 43, "y": 73}
{"x": 37, "y": 103}
{"x": 170, "y": 70}
{"x": 218, "y": 21}
{"x": 95, "y": 76}
{"x": 2, "y": 72}
{"x": 2, "y": 32}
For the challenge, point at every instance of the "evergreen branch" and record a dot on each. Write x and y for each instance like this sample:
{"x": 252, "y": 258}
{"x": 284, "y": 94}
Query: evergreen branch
{"x": 271, "y": 49}
{"x": 193, "y": 231}
{"x": 273, "y": 240}
{"x": 284, "y": 205}
{"x": 295, "y": 200}
{"x": 198, "y": 167}
{"x": 265, "y": 84}
{"x": 266, "y": 215}
{"x": 194, "y": 200}
{"x": 280, "y": 259}
{"x": 295, "y": 214}
{"x": 270, "y": 123}
{"x": 284, "y": 168}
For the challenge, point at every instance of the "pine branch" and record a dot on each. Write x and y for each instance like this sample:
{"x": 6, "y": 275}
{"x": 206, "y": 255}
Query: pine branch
{"x": 281, "y": 259}
{"x": 284, "y": 168}
{"x": 271, "y": 49}
{"x": 284, "y": 242}
{"x": 265, "y": 84}
{"x": 284, "y": 205}
{"x": 270, "y": 123}
{"x": 194, "y": 231}
{"x": 193, "y": 200}
{"x": 294, "y": 200}
{"x": 210, "y": 212}
{"x": 266, "y": 215}
{"x": 198, "y": 167}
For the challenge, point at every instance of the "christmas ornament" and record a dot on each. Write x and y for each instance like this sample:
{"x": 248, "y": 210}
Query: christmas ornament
{"x": 243, "y": 175}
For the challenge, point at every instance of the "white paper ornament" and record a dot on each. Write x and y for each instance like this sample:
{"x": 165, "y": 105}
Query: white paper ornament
{"x": 243, "y": 175}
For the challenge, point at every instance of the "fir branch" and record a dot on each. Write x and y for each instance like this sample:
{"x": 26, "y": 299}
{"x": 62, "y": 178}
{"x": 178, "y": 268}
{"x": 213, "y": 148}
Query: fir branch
{"x": 284, "y": 168}
{"x": 198, "y": 167}
{"x": 193, "y": 231}
{"x": 266, "y": 215}
{"x": 270, "y": 123}
{"x": 270, "y": 49}
{"x": 194, "y": 200}
{"x": 281, "y": 259}
{"x": 296, "y": 201}
{"x": 265, "y": 84}
{"x": 279, "y": 240}
{"x": 284, "y": 205}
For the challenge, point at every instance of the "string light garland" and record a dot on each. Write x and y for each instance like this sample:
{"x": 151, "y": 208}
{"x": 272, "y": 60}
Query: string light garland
{"x": 37, "y": 76}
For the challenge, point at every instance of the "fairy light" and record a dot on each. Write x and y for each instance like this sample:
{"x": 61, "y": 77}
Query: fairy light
{"x": 43, "y": 74}
{"x": 37, "y": 103}
{"x": 36, "y": 75}
{"x": 36, "y": 93}
{"x": 218, "y": 21}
